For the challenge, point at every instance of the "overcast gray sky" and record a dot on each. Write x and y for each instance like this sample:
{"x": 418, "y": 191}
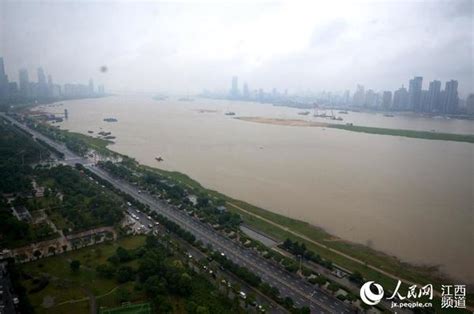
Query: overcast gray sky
{"x": 190, "y": 45}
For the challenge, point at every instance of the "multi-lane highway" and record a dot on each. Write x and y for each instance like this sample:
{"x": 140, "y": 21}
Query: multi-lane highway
{"x": 195, "y": 256}
{"x": 289, "y": 284}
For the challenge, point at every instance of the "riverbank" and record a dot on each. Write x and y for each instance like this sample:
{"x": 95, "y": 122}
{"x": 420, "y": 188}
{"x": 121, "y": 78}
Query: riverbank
{"x": 407, "y": 133}
{"x": 364, "y": 129}
{"x": 371, "y": 264}
{"x": 282, "y": 227}
{"x": 287, "y": 122}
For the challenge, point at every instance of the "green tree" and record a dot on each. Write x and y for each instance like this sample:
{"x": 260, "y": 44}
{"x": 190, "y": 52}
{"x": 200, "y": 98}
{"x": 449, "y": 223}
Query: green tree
{"x": 154, "y": 285}
{"x": 124, "y": 274}
{"x": 75, "y": 265}
{"x": 122, "y": 295}
{"x": 106, "y": 271}
{"x": 123, "y": 254}
{"x": 202, "y": 310}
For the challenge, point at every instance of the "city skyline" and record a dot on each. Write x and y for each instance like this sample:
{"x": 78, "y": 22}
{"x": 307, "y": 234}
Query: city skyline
{"x": 43, "y": 88}
{"x": 415, "y": 98}
{"x": 319, "y": 47}
{"x": 434, "y": 99}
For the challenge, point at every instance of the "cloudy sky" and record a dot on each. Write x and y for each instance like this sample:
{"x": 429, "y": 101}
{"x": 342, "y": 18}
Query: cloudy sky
{"x": 186, "y": 46}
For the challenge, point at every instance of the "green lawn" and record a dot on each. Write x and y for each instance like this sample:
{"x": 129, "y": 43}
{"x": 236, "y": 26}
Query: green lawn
{"x": 142, "y": 308}
{"x": 98, "y": 144}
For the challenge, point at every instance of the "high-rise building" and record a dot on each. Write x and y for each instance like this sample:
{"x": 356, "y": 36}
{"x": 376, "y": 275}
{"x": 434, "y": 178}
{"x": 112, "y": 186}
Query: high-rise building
{"x": 33, "y": 90}
{"x": 425, "y": 101}
{"x": 50, "y": 86}
{"x": 274, "y": 93}
{"x": 91, "y": 87}
{"x": 451, "y": 99}
{"x": 42, "y": 85}
{"x": 234, "y": 92}
{"x": 347, "y": 97}
{"x": 470, "y": 104}
{"x": 101, "y": 89}
{"x": 12, "y": 89}
{"x": 246, "y": 91}
{"x": 4, "y": 88}
{"x": 400, "y": 99}
{"x": 359, "y": 96}
{"x": 387, "y": 100}
{"x": 261, "y": 95}
{"x": 56, "y": 91}
{"x": 434, "y": 92}
{"x": 414, "y": 93}
{"x": 2, "y": 67}
{"x": 370, "y": 99}
{"x": 24, "y": 83}
{"x": 41, "y": 77}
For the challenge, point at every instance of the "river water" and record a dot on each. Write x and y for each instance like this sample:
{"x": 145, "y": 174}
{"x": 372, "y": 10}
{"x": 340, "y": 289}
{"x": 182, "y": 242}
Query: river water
{"x": 411, "y": 198}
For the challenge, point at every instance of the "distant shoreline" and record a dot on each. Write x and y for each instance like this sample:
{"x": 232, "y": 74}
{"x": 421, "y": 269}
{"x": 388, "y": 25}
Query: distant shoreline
{"x": 286, "y": 122}
{"x": 427, "y": 135}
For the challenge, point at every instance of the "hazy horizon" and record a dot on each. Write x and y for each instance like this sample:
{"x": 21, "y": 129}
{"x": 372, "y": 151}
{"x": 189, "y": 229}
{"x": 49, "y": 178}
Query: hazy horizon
{"x": 187, "y": 47}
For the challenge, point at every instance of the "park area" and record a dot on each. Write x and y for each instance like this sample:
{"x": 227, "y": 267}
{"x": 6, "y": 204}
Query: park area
{"x": 54, "y": 287}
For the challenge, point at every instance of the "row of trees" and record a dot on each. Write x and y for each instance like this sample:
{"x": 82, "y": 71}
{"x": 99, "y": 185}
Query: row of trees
{"x": 17, "y": 152}
{"x": 205, "y": 207}
{"x": 175, "y": 228}
{"x": 73, "y": 143}
{"x": 173, "y": 191}
{"x": 243, "y": 273}
{"x": 299, "y": 249}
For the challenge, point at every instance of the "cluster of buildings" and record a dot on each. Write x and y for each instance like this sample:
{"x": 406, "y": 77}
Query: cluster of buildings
{"x": 434, "y": 100}
{"x": 43, "y": 88}
{"x": 416, "y": 99}
{"x": 257, "y": 94}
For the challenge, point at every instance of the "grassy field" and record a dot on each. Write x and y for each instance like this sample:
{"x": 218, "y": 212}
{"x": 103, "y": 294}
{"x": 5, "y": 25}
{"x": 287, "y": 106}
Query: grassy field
{"x": 98, "y": 144}
{"x": 407, "y": 133}
{"x": 66, "y": 286}
{"x": 142, "y": 308}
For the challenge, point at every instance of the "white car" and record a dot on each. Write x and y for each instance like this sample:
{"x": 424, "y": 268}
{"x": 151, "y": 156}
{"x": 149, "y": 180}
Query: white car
{"x": 243, "y": 295}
